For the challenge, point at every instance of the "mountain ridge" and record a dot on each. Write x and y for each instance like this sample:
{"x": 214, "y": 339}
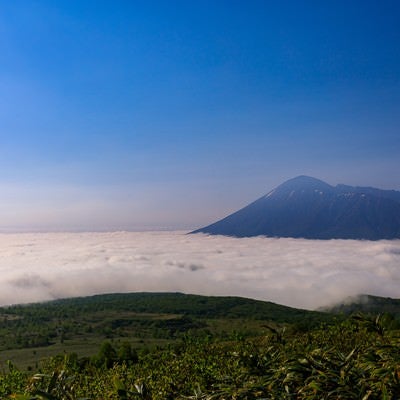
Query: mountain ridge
{"x": 367, "y": 304}
{"x": 306, "y": 207}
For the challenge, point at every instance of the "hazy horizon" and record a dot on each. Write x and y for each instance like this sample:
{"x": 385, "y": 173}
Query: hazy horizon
{"x": 25, "y": 228}
{"x": 174, "y": 114}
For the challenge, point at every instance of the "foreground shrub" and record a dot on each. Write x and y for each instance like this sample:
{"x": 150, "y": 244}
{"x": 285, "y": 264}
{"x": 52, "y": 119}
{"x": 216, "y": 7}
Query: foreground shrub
{"x": 350, "y": 360}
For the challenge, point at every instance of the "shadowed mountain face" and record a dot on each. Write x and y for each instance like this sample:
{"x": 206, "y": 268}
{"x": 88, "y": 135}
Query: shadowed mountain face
{"x": 306, "y": 207}
{"x": 366, "y": 304}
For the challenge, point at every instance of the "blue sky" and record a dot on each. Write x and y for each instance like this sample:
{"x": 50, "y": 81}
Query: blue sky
{"x": 170, "y": 114}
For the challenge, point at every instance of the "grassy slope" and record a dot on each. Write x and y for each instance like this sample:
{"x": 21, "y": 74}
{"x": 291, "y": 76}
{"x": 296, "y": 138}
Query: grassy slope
{"x": 31, "y": 332}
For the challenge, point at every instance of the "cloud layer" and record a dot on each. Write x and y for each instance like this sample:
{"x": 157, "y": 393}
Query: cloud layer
{"x": 295, "y": 272}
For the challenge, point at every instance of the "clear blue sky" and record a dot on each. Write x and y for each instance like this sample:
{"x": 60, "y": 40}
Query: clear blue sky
{"x": 170, "y": 114}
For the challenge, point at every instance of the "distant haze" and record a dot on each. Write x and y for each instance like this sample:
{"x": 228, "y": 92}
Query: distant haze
{"x": 295, "y": 272}
{"x": 173, "y": 114}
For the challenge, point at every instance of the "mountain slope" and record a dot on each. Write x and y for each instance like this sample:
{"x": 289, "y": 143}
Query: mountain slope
{"x": 306, "y": 207}
{"x": 147, "y": 304}
{"x": 367, "y": 304}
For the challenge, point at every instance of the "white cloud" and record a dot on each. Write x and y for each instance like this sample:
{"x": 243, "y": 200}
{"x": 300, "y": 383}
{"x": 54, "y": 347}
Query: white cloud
{"x": 295, "y": 272}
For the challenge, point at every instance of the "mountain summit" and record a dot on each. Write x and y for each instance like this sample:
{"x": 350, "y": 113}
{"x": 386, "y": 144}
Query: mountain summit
{"x": 306, "y": 207}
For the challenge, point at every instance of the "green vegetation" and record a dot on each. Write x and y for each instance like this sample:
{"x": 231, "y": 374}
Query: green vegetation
{"x": 29, "y": 333}
{"x": 368, "y": 304}
{"x": 174, "y": 346}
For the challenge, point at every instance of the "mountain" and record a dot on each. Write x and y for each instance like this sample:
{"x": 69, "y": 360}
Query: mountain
{"x": 366, "y": 304}
{"x": 306, "y": 207}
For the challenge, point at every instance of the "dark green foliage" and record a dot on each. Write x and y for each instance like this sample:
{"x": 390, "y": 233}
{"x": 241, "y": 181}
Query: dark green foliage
{"x": 160, "y": 303}
{"x": 346, "y": 360}
{"x": 139, "y": 315}
{"x": 217, "y": 348}
{"x": 107, "y": 355}
{"x": 12, "y": 380}
{"x": 126, "y": 354}
{"x": 368, "y": 304}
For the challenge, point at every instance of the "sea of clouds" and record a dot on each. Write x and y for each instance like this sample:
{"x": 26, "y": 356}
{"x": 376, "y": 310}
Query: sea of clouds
{"x": 295, "y": 272}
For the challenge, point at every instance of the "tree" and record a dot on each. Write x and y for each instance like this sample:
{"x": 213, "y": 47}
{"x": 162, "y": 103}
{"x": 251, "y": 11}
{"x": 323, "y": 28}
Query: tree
{"x": 127, "y": 354}
{"x": 107, "y": 355}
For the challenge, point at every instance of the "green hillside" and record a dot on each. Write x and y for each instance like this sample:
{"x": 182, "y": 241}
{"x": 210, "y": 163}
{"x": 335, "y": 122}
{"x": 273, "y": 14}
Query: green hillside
{"x": 367, "y": 304}
{"x": 165, "y": 303}
{"x": 177, "y": 346}
{"x": 31, "y": 332}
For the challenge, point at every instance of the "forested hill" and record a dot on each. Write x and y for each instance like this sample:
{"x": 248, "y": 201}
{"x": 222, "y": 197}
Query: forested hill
{"x": 149, "y": 321}
{"x": 367, "y": 304}
{"x": 167, "y": 303}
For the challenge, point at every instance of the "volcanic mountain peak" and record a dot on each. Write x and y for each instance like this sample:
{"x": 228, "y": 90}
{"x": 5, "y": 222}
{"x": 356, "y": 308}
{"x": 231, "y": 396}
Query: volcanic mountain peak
{"x": 300, "y": 185}
{"x": 304, "y": 182}
{"x": 306, "y": 207}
